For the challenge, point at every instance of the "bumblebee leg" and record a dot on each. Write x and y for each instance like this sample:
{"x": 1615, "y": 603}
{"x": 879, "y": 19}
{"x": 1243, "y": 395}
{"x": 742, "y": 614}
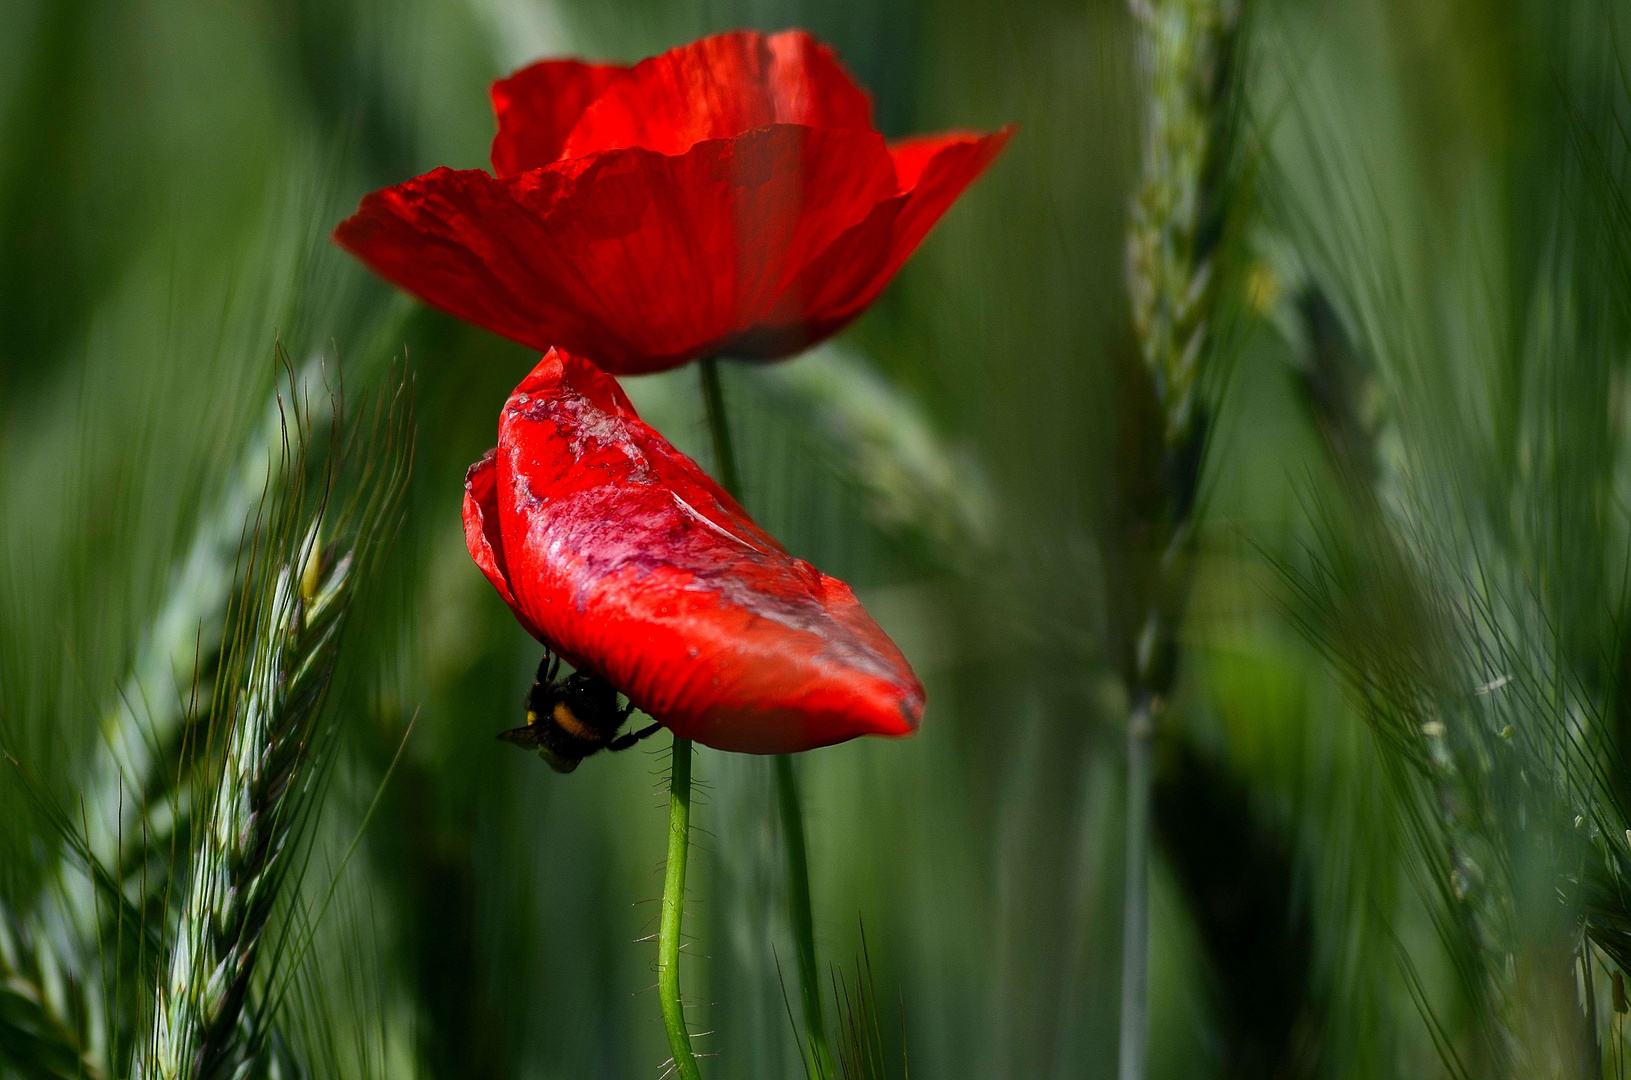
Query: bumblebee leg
{"x": 623, "y": 742}
{"x": 548, "y": 666}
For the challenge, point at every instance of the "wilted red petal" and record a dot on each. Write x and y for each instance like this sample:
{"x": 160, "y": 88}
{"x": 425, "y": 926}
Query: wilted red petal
{"x": 641, "y": 260}
{"x": 625, "y": 557}
{"x": 537, "y": 106}
{"x": 481, "y": 531}
{"x": 719, "y": 87}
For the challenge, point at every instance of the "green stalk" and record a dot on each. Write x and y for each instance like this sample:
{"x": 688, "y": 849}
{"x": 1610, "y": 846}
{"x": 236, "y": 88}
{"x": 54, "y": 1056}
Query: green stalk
{"x": 787, "y": 792}
{"x": 1135, "y": 944}
{"x": 798, "y": 902}
{"x": 668, "y": 936}
{"x": 713, "y": 399}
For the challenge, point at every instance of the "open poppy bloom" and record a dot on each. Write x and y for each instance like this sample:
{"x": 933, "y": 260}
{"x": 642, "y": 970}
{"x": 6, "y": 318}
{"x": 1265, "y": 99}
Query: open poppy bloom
{"x": 618, "y": 552}
{"x": 729, "y": 197}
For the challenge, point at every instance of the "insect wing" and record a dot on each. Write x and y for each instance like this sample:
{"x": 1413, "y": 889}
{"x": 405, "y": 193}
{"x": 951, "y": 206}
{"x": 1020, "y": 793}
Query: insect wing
{"x": 556, "y": 761}
{"x": 521, "y": 736}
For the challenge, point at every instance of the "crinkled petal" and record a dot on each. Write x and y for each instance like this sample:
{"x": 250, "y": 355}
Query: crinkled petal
{"x": 719, "y": 87}
{"x": 628, "y": 559}
{"x": 537, "y": 106}
{"x": 641, "y": 260}
{"x": 461, "y": 241}
{"x": 481, "y": 531}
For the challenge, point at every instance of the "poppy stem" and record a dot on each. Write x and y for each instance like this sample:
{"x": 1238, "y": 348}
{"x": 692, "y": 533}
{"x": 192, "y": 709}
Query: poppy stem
{"x": 798, "y": 903}
{"x": 713, "y": 400}
{"x": 787, "y": 791}
{"x": 668, "y": 935}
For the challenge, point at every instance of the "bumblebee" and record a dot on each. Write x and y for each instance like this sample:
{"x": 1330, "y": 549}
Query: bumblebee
{"x": 569, "y": 719}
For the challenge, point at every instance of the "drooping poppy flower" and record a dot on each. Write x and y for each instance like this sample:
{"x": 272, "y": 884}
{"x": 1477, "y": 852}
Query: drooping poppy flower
{"x": 618, "y": 552}
{"x": 729, "y": 197}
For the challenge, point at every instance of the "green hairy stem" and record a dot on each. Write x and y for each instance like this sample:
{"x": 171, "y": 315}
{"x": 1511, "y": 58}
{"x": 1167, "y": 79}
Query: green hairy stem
{"x": 668, "y": 935}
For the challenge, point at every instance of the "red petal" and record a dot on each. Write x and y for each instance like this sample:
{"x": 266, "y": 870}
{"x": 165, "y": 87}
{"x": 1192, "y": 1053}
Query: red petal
{"x": 719, "y": 87}
{"x": 837, "y": 285}
{"x": 537, "y": 106}
{"x": 934, "y": 170}
{"x": 481, "y": 531}
{"x": 631, "y": 561}
{"x": 847, "y": 269}
{"x": 639, "y": 260}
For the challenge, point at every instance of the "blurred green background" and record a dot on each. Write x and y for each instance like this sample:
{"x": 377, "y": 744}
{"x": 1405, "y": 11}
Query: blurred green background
{"x": 169, "y": 171}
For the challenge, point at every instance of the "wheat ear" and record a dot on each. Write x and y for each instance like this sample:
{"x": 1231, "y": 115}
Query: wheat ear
{"x": 1173, "y": 232}
{"x": 269, "y": 702}
{"x": 43, "y": 1015}
{"x": 125, "y": 796}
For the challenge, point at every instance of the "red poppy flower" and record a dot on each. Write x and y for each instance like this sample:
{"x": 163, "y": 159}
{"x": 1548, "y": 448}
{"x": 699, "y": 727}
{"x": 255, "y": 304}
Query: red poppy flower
{"x": 729, "y": 197}
{"x": 619, "y": 553}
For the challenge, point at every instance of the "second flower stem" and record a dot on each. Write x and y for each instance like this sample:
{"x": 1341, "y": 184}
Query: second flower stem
{"x": 713, "y": 401}
{"x": 787, "y": 792}
{"x": 673, "y": 913}
{"x": 798, "y": 903}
